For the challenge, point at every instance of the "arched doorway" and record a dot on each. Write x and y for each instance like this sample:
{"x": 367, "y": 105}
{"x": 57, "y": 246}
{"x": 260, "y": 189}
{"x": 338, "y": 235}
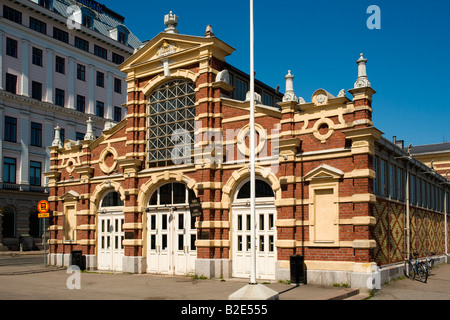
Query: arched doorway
{"x": 171, "y": 232}
{"x": 110, "y": 232}
{"x": 265, "y": 231}
{"x": 9, "y": 217}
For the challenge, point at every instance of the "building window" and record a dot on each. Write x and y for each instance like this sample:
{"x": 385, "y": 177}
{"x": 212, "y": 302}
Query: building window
{"x": 60, "y": 35}
{"x": 81, "y": 103}
{"x": 10, "y": 133}
{"x": 117, "y": 114}
{"x": 100, "y": 52}
{"x": 9, "y": 170}
{"x": 82, "y": 44}
{"x": 35, "y": 173}
{"x": 79, "y": 136}
{"x": 122, "y": 38}
{"x": 383, "y": 178}
{"x": 11, "y": 47}
{"x": 117, "y": 85}
{"x": 59, "y": 97}
{"x": 392, "y": 177}
{"x": 100, "y": 79}
{"x": 100, "y": 109}
{"x": 11, "y": 83}
{"x": 117, "y": 58}
{"x": 36, "y": 90}
{"x": 37, "y": 57}
{"x": 375, "y": 180}
{"x": 63, "y": 134}
{"x": 60, "y": 65}
{"x": 87, "y": 21}
{"x": 241, "y": 89}
{"x": 38, "y": 25}
{"x": 81, "y": 72}
{"x": 262, "y": 190}
{"x": 112, "y": 199}
{"x": 171, "y": 122}
{"x": 267, "y": 99}
{"x": 45, "y": 3}
{"x": 36, "y": 134}
{"x": 13, "y": 15}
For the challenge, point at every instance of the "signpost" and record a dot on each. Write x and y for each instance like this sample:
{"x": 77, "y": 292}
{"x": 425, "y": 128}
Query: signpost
{"x": 43, "y": 207}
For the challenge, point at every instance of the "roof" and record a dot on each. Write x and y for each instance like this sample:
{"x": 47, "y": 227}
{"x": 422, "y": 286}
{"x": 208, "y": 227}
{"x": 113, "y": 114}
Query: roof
{"x": 104, "y": 21}
{"x": 431, "y": 148}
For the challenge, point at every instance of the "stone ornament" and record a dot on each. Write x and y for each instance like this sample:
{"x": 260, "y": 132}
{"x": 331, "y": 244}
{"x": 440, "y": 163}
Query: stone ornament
{"x": 245, "y": 131}
{"x": 171, "y": 21}
{"x": 289, "y": 95}
{"x": 323, "y": 129}
{"x": 224, "y": 76}
{"x": 362, "y": 81}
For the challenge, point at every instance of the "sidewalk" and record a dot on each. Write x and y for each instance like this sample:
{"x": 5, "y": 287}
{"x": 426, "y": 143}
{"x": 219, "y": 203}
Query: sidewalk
{"x": 20, "y": 282}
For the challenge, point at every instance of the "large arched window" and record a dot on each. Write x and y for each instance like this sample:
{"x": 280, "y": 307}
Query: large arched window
{"x": 171, "y": 123}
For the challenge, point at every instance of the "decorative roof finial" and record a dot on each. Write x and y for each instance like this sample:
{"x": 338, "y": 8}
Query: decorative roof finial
{"x": 289, "y": 94}
{"x": 89, "y": 130}
{"x": 362, "y": 80}
{"x": 57, "y": 140}
{"x": 209, "y": 32}
{"x": 171, "y": 21}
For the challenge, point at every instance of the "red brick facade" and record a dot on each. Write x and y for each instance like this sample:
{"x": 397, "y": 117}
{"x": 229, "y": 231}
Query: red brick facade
{"x": 313, "y": 155}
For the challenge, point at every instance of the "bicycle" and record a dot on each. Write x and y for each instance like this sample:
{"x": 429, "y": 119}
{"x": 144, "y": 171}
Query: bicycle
{"x": 429, "y": 264}
{"x": 414, "y": 267}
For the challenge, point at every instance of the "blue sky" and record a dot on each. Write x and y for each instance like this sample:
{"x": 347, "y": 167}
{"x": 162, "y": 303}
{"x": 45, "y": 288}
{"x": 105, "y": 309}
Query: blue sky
{"x": 320, "y": 41}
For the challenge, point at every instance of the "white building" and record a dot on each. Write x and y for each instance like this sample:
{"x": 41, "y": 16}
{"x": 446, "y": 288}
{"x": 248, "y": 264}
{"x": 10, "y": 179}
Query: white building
{"x": 58, "y": 67}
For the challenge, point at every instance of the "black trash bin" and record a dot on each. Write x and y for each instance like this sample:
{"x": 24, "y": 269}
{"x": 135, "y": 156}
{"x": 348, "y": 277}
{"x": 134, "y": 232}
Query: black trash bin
{"x": 77, "y": 259}
{"x": 298, "y": 272}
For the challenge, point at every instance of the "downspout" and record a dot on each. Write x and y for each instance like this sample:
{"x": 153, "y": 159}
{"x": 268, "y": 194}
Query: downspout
{"x": 407, "y": 227}
{"x": 445, "y": 227}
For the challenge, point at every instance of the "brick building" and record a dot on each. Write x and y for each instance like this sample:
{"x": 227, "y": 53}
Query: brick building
{"x": 127, "y": 199}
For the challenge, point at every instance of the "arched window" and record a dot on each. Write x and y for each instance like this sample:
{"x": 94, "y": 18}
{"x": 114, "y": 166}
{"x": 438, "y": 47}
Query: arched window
{"x": 262, "y": 190}
{"x": 171, "y": 123}
{"x": 170, "y": 194}
{"x": 112, "y": 199}
{"x": 9, "y": 222}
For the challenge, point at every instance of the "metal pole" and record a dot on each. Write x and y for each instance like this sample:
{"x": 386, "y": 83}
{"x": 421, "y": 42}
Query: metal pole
{"x": 45, "y": 243}
{"x": 252, "y": 151}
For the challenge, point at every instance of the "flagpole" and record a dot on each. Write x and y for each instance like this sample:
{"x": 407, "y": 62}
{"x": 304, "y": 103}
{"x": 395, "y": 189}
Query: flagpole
{"x": 252, "y": 150}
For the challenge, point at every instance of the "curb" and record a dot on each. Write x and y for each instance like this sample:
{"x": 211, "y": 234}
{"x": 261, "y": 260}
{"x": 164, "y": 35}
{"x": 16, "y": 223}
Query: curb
{"x": 346, "y": 295}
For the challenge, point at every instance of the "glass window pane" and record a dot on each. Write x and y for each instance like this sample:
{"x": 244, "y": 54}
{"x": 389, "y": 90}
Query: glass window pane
{"x": 179, "y": 193}
{"x": 165, "y": 194}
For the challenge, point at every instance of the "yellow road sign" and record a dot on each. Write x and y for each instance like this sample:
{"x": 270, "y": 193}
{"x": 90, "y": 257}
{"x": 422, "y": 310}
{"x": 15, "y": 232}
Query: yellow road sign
{"x": 44, "y": 215}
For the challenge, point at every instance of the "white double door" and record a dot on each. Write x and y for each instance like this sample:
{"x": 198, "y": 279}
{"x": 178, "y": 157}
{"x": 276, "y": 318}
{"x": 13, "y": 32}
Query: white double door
{"x": 266, "y": 254}
{"x": 171, "y": 242}
{"x": 110, "y": 241}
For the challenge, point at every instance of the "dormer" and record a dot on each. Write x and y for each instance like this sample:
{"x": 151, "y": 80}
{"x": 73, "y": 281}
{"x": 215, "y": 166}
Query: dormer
{"x": 85, "y": 16}
{"x": 120, "y": 34}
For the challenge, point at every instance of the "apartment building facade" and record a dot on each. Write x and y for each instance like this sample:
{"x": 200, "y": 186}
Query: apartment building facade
{"x": 58, "y": 67}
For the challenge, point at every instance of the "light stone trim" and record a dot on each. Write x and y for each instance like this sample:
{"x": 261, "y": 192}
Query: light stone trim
{"x": 212, "y": 224}
{"x": 212, "y": 243}
{"x": 133, "y": 226}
